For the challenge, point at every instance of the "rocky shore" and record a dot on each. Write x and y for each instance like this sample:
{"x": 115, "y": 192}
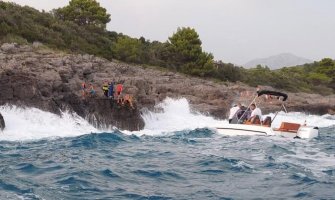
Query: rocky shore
{"x": 36, "y": 76}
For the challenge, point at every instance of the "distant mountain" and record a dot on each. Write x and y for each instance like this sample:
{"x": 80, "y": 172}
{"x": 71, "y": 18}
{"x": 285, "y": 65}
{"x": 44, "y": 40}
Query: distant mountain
{"x": 278, "y": 61}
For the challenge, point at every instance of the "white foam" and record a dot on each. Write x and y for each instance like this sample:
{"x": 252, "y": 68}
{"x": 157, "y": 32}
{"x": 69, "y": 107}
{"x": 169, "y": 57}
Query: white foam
{"x": 33, "y": 124}
{"x": 175, "y": 115}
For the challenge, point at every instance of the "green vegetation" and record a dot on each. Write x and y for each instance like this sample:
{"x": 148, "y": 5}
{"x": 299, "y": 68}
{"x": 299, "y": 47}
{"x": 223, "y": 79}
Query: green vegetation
{"x": 80, "y": 27}
{"x": 187, "y": 55}
{"x": 26, "y": 25}
{"x": 318, "y": 77}
{"x": 84, "y": 13}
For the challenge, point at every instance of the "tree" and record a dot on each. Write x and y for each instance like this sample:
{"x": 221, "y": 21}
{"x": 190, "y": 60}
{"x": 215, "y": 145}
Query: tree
{"x": 326, "y": 62}
{"x": 185, "y": 46}
{"x": 327, "y": 67}
{"x": 84, "y": 12}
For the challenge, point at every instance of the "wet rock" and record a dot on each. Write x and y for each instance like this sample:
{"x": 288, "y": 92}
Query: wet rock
{"x": 2, "y": 123}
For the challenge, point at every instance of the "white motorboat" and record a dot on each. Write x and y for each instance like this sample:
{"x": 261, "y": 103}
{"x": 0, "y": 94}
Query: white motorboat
{"x": 240, "y": 126}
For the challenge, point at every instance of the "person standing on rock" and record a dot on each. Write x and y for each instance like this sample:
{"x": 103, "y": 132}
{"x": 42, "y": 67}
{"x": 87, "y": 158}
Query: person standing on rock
{"x": 119, "y": 89}
{"x": 83, "y": 89}
{"x": 92, "y": 91}
{"x": 105, "y": 88}
{"x": 111, "y": 90}
{"x": 128, "y": 99}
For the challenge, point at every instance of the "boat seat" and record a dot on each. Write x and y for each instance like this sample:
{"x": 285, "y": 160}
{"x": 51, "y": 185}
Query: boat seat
{"x": 253, "y": 121}
{"x": 288, "y": 127}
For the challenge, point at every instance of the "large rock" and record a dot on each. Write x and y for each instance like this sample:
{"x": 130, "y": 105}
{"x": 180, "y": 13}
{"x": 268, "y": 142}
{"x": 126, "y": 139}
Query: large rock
{"x": 24, "y": 89}
{"x": 2, "y": 123}
{"x": 9, "y": 47}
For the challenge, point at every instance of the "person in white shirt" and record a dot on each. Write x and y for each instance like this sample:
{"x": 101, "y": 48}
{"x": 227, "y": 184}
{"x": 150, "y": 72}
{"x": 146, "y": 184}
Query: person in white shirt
{"x": 233, "y": 111}
{"x": 256, "y": 113}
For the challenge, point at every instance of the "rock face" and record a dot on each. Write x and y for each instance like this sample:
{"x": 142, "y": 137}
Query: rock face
{"x": 52, "y": 82}
{"x": 2, "y": 123}
{"x": 49, "y": 80}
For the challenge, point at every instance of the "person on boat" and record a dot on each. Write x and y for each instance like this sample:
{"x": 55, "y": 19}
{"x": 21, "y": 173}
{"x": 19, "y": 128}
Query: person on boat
{"x": 111, "y": 90}
{"x": 105, "y": 88}
{"x": 241, "y": 115}
{"x": 256, "y": 114}
{"x": 233, "y": 111}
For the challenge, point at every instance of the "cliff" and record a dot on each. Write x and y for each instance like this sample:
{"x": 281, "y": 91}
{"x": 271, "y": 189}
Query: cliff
{"x": 39, "y": 77}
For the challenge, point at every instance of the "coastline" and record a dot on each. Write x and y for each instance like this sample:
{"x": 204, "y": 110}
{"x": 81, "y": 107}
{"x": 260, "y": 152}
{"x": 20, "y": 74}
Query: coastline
{"x": 35, "y": 76}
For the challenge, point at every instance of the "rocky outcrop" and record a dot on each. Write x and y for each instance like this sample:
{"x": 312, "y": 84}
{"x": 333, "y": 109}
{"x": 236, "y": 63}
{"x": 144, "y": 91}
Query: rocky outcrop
{"x": 2, "y": 123}
{"x": 38, "y": 77}
{"x": 51, "y": 82}
{"x": 26, "y": 89}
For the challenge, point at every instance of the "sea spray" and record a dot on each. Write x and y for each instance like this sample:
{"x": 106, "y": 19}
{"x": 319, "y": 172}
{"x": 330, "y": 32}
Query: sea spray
{"x": 32, "y": 124}
{"x": 176, "y": 115}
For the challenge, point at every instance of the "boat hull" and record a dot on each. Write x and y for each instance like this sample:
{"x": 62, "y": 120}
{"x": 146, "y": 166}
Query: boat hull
{"x": 303, "y": 132}
{"x": 242, "y": 129}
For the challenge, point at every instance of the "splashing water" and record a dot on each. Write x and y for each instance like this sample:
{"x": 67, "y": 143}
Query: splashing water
{"x": 32, "y": 124}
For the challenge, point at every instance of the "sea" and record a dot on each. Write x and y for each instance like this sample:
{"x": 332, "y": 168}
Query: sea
{"x": 178, "y": 155}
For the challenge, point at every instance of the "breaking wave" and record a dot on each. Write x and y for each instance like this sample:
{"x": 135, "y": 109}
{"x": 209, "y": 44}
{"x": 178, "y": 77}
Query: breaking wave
{"x": 33, "y": 123}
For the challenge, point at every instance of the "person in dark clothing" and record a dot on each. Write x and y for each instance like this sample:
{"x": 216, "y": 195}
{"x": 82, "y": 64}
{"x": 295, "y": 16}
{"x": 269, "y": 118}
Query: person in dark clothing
{"x": 111, "y": 90}
{"x": 243, "y": 114}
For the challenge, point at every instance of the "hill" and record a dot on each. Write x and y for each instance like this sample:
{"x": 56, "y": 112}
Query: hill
{"x": 278, "y": 61}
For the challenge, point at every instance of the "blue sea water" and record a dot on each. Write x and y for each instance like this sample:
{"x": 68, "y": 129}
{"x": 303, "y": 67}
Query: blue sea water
{"x": 192, "y": 164}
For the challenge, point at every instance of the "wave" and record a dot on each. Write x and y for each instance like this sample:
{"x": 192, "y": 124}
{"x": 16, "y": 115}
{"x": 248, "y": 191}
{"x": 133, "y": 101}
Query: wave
{"x": 175, "y": 115}
{"x": 32, "y": 124}
{"x": 171, "y": 117}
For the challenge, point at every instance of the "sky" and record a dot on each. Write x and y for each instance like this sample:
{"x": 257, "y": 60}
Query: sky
{"x": 235, "y": 31}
